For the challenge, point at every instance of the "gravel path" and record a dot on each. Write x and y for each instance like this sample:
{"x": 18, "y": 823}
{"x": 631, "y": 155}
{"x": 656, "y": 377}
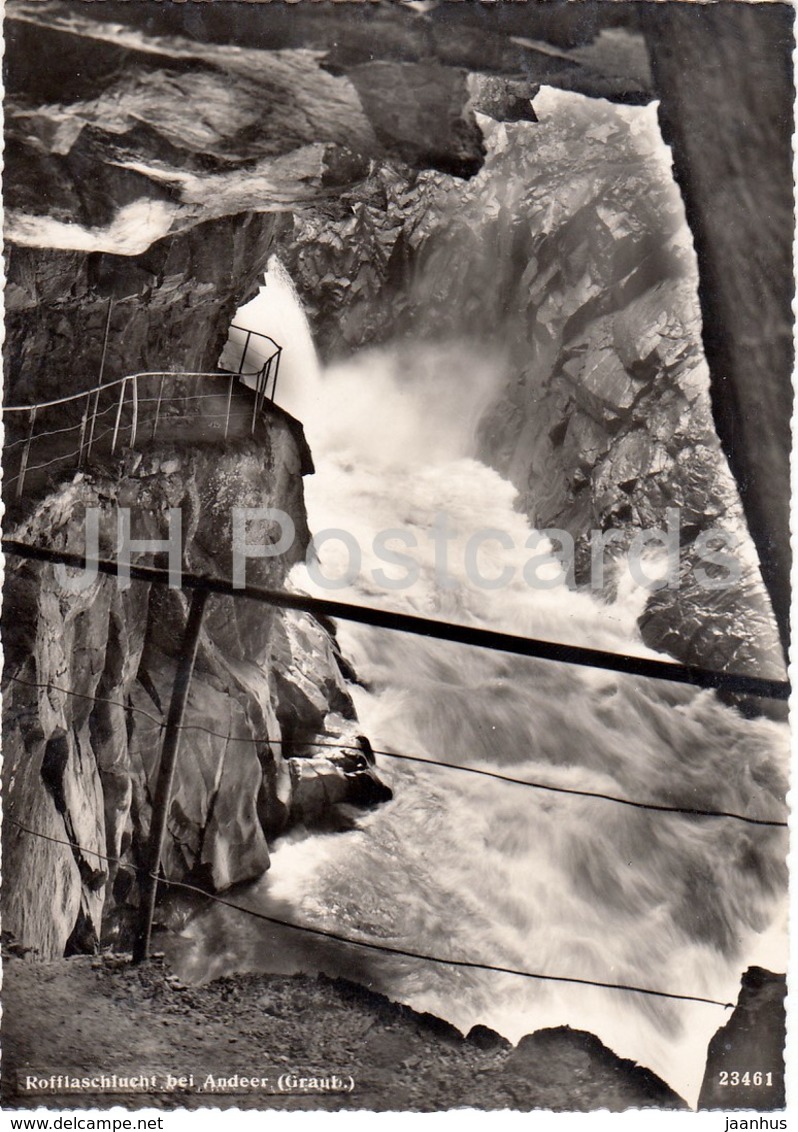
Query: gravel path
{"x": 84, "y": 1015}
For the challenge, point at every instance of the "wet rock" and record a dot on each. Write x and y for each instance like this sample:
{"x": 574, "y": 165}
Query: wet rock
{"x": 214, "y": 825}
{"x": 745, "y": 1061}
{"x": 486, "y": 1039}
{"x": 418, "y": 111}
{"x": 43, "y": 900}
{"x": 329, "y": 777}
{"x": 308, "y": 676}
{"x": 563, "y": 1058}
{"x": 503, "y": 99}
{"x": 603, "y": 384}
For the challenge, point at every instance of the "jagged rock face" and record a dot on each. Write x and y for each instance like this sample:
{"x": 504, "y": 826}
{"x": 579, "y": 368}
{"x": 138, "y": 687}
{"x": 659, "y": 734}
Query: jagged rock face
{"x": 755, "y": 1033}
{"x": 166, "y": 309}
{"x": 167, "y": 173}
{"x": 80, "y": 767}
{"x": 606, "y": 421}
{"x": 568, "y": 255}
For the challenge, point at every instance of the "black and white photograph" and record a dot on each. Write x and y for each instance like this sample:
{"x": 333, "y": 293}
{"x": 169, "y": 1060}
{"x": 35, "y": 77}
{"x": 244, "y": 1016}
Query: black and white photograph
{"x": 396, "y": 540}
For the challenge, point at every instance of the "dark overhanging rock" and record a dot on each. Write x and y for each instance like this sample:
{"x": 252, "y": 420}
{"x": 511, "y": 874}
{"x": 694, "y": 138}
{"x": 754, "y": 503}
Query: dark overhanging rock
{"x": 417, "y": 110}
{"x": 730, "y": 129}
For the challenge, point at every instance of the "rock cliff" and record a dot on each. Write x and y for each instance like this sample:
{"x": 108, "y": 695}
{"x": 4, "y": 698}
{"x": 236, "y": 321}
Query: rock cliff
{"x": 568, "y": 256}
{"x": 88, "y": 679}
{"x": 731, "y": 130}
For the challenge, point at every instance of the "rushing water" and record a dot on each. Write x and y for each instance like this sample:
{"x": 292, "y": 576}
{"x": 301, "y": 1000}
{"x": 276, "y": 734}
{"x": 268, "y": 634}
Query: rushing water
{"x": 464, "y": 866}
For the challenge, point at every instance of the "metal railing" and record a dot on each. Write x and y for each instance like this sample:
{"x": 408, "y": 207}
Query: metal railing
{"x": 270, "y": 367}
{"x": 121, "y": 412}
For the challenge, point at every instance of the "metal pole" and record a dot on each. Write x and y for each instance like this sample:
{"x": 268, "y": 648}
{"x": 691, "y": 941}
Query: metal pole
{"x": 158, "y": 406}
{"x": 100, "y": 378}
{"x": 105, "y": 341}
{"x": 244, "y": 352}
{"x": 166, "y": 774}
{"x": 26, "y": 453}
{"x": 122, "y": 389}
{"x": 135, "y": 421}
{"x": 93, "y": 423}
{"x": 278, "y": 355}
{"x": 83, "y": 423}
{"x": 261, "y": 385}
{"x": 229, "y": 402}
{"x": 267, "y": 372}
{"x": 254, "y": 412}
{"x": 429, "y": 627}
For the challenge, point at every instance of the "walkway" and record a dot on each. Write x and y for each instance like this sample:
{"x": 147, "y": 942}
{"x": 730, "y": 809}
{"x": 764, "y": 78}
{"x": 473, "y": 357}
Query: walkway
{"x": 49, "y": 437}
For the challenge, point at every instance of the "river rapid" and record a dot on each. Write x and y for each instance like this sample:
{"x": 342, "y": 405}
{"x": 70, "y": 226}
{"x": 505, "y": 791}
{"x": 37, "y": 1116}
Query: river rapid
{"x": 467, "y": 867}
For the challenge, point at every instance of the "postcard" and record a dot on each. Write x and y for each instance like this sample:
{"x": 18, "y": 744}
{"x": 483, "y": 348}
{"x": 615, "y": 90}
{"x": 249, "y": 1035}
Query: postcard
{"x": 396, "y": 482}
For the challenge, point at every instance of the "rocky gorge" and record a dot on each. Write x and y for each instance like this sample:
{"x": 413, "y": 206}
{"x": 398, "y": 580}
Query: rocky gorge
{"x": 422, "y": 191}
{"x": 137, "y": 218}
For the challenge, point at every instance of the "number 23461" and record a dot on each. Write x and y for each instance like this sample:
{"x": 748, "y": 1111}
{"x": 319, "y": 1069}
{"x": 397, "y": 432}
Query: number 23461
{"x": 734, "y": 1077}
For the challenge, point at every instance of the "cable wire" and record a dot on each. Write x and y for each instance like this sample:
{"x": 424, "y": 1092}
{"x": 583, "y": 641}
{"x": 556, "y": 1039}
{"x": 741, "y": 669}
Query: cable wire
{"x": 652, "y": 806}
{"x": 402, "y": 952}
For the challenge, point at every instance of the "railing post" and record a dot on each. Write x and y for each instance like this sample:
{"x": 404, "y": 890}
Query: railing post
{"x": 266, "y": 378}
{"x": 244, "y": 352}
{"x": 23, "y": 466}
{"x": 83, "y": 423}
{"x": 254, "y": 411}
{"x": 158, "y": 406}
{"x": 135, "y": 420}
{"x": 166, "y": 774}
{"x": 122, "y": 389}
{"x": 93, "y": 423}
{"x": 229, "y": 404}
{"x": 100, "y": 378}
{"x": 260, "y": 385}
{"x": 277, "y": 356}
{"x": 105, "y": 341}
